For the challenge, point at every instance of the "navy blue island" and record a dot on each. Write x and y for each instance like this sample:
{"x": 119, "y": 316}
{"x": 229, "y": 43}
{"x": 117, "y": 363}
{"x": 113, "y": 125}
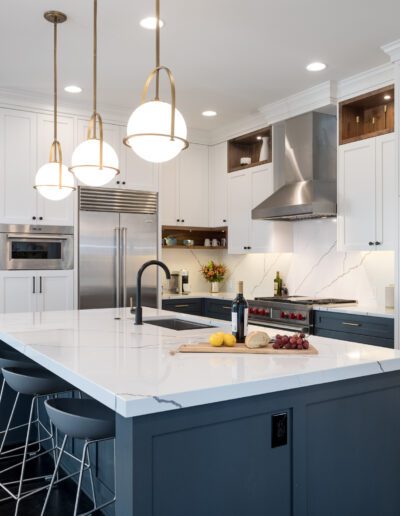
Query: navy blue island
{"x": 227, "y": 435}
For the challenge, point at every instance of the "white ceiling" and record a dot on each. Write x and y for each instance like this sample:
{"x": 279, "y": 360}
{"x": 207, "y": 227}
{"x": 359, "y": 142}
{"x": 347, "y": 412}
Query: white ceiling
{"x": 229, "y": 55}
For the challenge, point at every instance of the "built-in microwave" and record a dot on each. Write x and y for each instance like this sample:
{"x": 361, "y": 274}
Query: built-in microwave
{"x": 28, "y": 247}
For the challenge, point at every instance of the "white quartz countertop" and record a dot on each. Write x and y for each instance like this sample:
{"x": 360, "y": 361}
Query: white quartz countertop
{"x": 131, "y": 369}
{"x": 208, "y": 295}
{"x": 371, "y": 310}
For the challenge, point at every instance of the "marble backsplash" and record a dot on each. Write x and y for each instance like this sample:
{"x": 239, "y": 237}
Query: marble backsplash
{"x": 314, "y": 268}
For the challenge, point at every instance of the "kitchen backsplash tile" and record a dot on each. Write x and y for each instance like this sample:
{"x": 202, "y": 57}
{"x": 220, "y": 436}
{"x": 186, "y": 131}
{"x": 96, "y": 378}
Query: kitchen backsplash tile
{"x": 315, "y": 268}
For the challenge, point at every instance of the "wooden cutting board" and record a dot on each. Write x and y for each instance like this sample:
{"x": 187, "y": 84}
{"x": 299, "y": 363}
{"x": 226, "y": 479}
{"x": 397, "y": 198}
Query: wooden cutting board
{"x": 205, "y": 347}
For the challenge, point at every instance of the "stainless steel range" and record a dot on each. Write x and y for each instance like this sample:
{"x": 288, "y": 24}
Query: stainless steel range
{"x": 292, "y": 313}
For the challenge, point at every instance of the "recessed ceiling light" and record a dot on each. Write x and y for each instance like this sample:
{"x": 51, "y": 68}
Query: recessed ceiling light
{"x": 316, "y": 67}
{"x": 73, "y": 89}
{"x": 387, "y": 97}
{"x": 150, "y": 23}
{"x": 259, "y": 137}
{"x": 209, "y": 113}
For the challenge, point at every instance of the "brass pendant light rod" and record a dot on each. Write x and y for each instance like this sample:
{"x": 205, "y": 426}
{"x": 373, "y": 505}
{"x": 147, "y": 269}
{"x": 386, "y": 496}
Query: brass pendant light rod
{"x": 55, "y": 17}
{"x": 157, "y": 49}
{"x": 94, "y": 65}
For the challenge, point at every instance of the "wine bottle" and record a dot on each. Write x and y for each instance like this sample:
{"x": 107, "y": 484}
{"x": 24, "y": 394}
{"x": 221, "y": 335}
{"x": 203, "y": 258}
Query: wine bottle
{"x": 240, "y": 315}
{"x": 277, "y": 285}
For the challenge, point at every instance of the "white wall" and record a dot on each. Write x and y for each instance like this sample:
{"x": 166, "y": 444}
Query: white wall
{"x": 315, "y": 268}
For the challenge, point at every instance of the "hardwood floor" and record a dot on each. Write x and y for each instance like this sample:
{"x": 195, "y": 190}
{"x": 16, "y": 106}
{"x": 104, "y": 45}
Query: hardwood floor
{"x": 61, "y": 502}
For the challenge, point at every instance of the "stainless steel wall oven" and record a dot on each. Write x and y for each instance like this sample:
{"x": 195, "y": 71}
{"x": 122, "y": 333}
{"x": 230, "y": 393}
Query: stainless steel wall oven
{"x": 26, "y": 247}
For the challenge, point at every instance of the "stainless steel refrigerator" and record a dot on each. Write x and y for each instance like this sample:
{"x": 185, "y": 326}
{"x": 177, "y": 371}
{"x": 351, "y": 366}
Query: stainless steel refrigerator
{"x": 117, "y": 232}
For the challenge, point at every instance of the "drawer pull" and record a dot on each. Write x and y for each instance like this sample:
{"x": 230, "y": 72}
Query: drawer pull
{"x": 227, "y": 307}
{"x": 182, "y": 306}
{"x": 351, "y": 324}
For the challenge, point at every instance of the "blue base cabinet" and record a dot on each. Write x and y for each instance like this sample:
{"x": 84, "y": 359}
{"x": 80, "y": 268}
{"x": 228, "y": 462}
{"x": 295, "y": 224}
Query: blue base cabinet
{"x": 337, "y": 454}
{"x": 207, "y": 307}
{"x": 378, "y": 331}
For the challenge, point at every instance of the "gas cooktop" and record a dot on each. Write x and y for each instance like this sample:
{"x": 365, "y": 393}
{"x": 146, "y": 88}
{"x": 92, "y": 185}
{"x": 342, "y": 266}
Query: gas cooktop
{"x": 303, "y": 300}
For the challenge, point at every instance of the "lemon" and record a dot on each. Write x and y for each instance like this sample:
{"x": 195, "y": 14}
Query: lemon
{"x": 216, "y": 339}
{"x": 229, "y": 340}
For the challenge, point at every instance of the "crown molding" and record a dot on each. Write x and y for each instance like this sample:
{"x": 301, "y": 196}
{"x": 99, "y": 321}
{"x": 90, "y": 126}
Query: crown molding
{"x": 314, "y": 98}
{"x": 39, "y": 103}
{"x": 310, "y": 99}
{"x": 392, "y": 50}
{"x": 369, "y": 80}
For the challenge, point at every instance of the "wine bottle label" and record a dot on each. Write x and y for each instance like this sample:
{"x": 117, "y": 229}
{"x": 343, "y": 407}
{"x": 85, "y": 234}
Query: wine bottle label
{"x": 234, "y": 322}
{"x": 246, "y": 321}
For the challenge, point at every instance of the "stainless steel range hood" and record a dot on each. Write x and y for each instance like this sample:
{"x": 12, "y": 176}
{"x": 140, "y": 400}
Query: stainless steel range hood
{"x": 304, "y": 170}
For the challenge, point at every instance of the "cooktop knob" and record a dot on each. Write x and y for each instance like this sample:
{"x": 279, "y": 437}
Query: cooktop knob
{"x": 300, "y": 317}
{"x": 261, "y": 311}
{"x": 292, "y": 315}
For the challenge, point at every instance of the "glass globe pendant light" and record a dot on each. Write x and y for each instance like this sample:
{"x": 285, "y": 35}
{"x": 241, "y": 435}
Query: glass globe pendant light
{"x": 53, "y": 180}
{"x": 157, "y": 130}
{"x": 94, "y": 162}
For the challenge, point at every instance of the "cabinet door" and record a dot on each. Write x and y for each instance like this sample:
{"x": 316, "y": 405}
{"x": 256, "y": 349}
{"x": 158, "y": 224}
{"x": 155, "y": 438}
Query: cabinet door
{"x": 111, "y": 135}
{"x": 239, "y": 204}
{"x": 136, "y": 173}
{"x": 17, "y": 166}
{"x": 218, "y": 185}
{"x": 385, "y": 191}
{"x": 169, "y": 193}
{"x": 356, "y": 195}
{"x": 55, "y": 290}
{"x": 57, "y": 213}
{"x": 193, "y": 186}
{"x": 17, "y": 293}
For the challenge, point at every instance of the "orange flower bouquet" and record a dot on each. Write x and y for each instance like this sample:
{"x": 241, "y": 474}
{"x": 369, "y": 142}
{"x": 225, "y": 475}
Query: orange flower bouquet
{"x": 214, "y": 273}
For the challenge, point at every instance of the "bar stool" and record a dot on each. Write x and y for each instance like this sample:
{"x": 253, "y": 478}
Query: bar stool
{"x": 84, "y": 419}
{"x": 12, "y": 358}
{"x": 38, "y": 383}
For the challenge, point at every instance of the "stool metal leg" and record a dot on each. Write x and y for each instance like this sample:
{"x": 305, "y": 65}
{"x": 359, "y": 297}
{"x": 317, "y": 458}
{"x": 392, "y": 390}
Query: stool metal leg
{"x": 28, "y": 431}
{"x": 80, "y": 478}
{"x": 9, "y": 423}
{"x": 91, "y": 477}
{"x": 55, "y": 475}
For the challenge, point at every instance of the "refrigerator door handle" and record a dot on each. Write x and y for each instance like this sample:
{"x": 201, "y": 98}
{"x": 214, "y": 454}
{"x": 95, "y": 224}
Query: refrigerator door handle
{"x": 123, "y": 264}
{"x": 117, "y": 267}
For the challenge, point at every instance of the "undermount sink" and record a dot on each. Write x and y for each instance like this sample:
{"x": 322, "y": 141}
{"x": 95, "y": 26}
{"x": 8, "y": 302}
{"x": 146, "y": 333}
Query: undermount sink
{"x": 178, "y": 324}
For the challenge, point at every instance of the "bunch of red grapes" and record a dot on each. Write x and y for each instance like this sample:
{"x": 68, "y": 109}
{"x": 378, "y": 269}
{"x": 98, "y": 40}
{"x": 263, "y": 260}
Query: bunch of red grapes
{"x": 297, "y": 341}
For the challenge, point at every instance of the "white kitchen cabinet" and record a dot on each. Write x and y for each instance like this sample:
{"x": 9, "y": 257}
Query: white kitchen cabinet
{"x": 193, "y": 186}
{"x": 184, "y": 188}
{"x": 366, "y": 194}
{"x": 169, "y": 193}
{"x": 57, "y": 290}
{"x": 36, "y": 291}
{"x": 18, "y": 166}
{"x": 247, "y": 189}
{"x": 57, "y": 213}
{"x": 218, "y": 184}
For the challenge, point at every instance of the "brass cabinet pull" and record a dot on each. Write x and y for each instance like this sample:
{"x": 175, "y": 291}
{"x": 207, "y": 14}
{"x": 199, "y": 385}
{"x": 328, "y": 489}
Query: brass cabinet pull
{"x": 227, "y": 307}
{"x": 181, "y": 306}
{"x": 350, "y": 324}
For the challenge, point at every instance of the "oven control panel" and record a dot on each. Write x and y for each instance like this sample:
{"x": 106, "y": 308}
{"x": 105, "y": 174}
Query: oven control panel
{"x": 276, "y": 313}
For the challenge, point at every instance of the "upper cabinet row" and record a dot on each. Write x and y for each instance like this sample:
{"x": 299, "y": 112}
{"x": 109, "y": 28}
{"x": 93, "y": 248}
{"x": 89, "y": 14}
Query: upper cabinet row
{"x": 197, "y": 190}
{"x": 25, "y": 140}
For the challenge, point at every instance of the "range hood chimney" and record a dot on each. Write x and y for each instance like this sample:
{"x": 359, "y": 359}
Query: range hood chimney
{"x": 305, "y": 149}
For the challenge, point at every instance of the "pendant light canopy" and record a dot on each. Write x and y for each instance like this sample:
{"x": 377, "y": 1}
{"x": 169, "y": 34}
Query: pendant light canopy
{"x": 157, "y": 130}
{"x": 94, "y": 162}
{"x": 53, "y": 180}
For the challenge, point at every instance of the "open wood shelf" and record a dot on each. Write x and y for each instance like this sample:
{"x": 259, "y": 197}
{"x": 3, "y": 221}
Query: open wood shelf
{"x": 256, "y": 145}
{"x": 197, "y": 234}
{"x": 366, "y": 116}
{"x": 164, "y": 246}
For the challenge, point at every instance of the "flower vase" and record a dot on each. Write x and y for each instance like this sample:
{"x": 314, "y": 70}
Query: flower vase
{"x": 214, "y": 287}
